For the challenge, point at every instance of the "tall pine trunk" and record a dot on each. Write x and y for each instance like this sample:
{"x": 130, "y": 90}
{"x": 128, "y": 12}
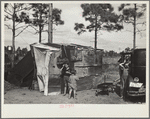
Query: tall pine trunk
{"x": 40, "y": 33}
{"x": 134, "y": 25}
{"x": 95, "y": 39}
{"x": 50, "y": 24}
{"x": 13, "y": 38}
{"x": 40, "y": 28}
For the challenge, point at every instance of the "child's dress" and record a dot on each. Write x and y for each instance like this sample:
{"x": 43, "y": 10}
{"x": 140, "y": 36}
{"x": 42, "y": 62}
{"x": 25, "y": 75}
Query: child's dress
{"x": 73, "y": 82}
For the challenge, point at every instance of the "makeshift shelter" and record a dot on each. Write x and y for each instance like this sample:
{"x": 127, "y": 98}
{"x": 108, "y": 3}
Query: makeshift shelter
{"x": 22, "y": 72}
{"x": 45, "y": 60}
{"x": 50, "y": 57}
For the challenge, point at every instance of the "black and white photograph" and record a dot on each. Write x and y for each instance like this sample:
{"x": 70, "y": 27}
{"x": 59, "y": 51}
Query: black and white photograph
{"x": 77, "y": 58}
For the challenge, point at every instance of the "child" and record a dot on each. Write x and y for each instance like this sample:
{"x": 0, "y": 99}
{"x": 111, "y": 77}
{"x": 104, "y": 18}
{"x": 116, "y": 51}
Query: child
{"x": 73, "y": 83}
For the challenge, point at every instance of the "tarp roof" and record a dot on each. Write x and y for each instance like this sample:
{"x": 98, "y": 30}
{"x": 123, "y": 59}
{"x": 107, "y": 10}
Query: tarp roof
{"x": 56, "y": 45}
{"x": 45, "y": 46}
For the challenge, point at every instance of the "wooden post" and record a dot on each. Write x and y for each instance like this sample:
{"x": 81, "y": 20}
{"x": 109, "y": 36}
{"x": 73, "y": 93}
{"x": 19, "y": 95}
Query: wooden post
{"x": 50, "y": 24}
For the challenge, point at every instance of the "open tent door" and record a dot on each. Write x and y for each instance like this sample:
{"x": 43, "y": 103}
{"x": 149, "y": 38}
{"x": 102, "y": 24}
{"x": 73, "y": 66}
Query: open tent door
{"x": 45, "y": 63}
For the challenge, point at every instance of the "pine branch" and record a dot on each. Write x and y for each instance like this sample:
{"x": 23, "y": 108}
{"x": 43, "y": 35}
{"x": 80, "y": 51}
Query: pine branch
{"x": 21, "y": 9}
{"x": 142, "y": 7}
{"x": 54, "y": 23}
{"x": 11, "y": 5}
{"x": 17, "y": 24}
{"x": 144, "y": 23}
{"x": 9, "y": 10}
{"x": 8, "y": 26}
{"x": 36, "y": 32}
{"x": 20, "y": 27}
{"x": 46, "y": 23}
{"x": 140, "y": 30}
{"x": 34, "y": 28}
{"x": 8, "y": 13}
{"x": 128, "y": 22}
{"x": 21, "y": 31}
{"x": 7, "y": 17}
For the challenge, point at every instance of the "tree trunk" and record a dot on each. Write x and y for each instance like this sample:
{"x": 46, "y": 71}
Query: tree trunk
{"x": 50, "y": 29}
{"x": 40, "y": 28}
{"x": 134, "y": 39}
{"x": 95, "y": 39}
{"x": 13, "y": 38}
{"x": 40, "y": 33}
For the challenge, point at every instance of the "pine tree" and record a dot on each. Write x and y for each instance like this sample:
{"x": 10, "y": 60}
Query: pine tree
{"x": 16, "y": 13}
{"x": 40, "y": 17}
{"x": 131, "y": 15}
{"x": 101, "y": 17}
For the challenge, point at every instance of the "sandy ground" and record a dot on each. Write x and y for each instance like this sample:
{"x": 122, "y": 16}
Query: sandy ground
{"x": 25, "y": 96}
{"x": 15, "y": 95}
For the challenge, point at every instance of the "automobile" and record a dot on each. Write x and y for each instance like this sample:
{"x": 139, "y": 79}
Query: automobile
{"x": 135, "y": 76}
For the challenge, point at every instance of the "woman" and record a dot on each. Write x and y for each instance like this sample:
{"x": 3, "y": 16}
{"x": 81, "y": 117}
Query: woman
{"x": 122, "y": 69}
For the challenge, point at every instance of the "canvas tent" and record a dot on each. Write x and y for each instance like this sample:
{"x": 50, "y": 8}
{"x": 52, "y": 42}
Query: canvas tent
{"x": 45, "y": 59}
{"x": 21, "y": 74}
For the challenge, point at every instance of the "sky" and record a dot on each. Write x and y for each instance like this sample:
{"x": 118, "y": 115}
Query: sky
{"x": 71, "y": 14}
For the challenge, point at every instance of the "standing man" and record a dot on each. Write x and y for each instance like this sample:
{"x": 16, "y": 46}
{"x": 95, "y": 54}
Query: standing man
{"x": 62, "y": 79}
{"x": 65, "y": 78}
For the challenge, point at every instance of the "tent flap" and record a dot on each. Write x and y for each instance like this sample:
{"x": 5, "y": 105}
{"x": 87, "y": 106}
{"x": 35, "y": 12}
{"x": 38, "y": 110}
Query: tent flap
{"x": 46, "y": 63}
